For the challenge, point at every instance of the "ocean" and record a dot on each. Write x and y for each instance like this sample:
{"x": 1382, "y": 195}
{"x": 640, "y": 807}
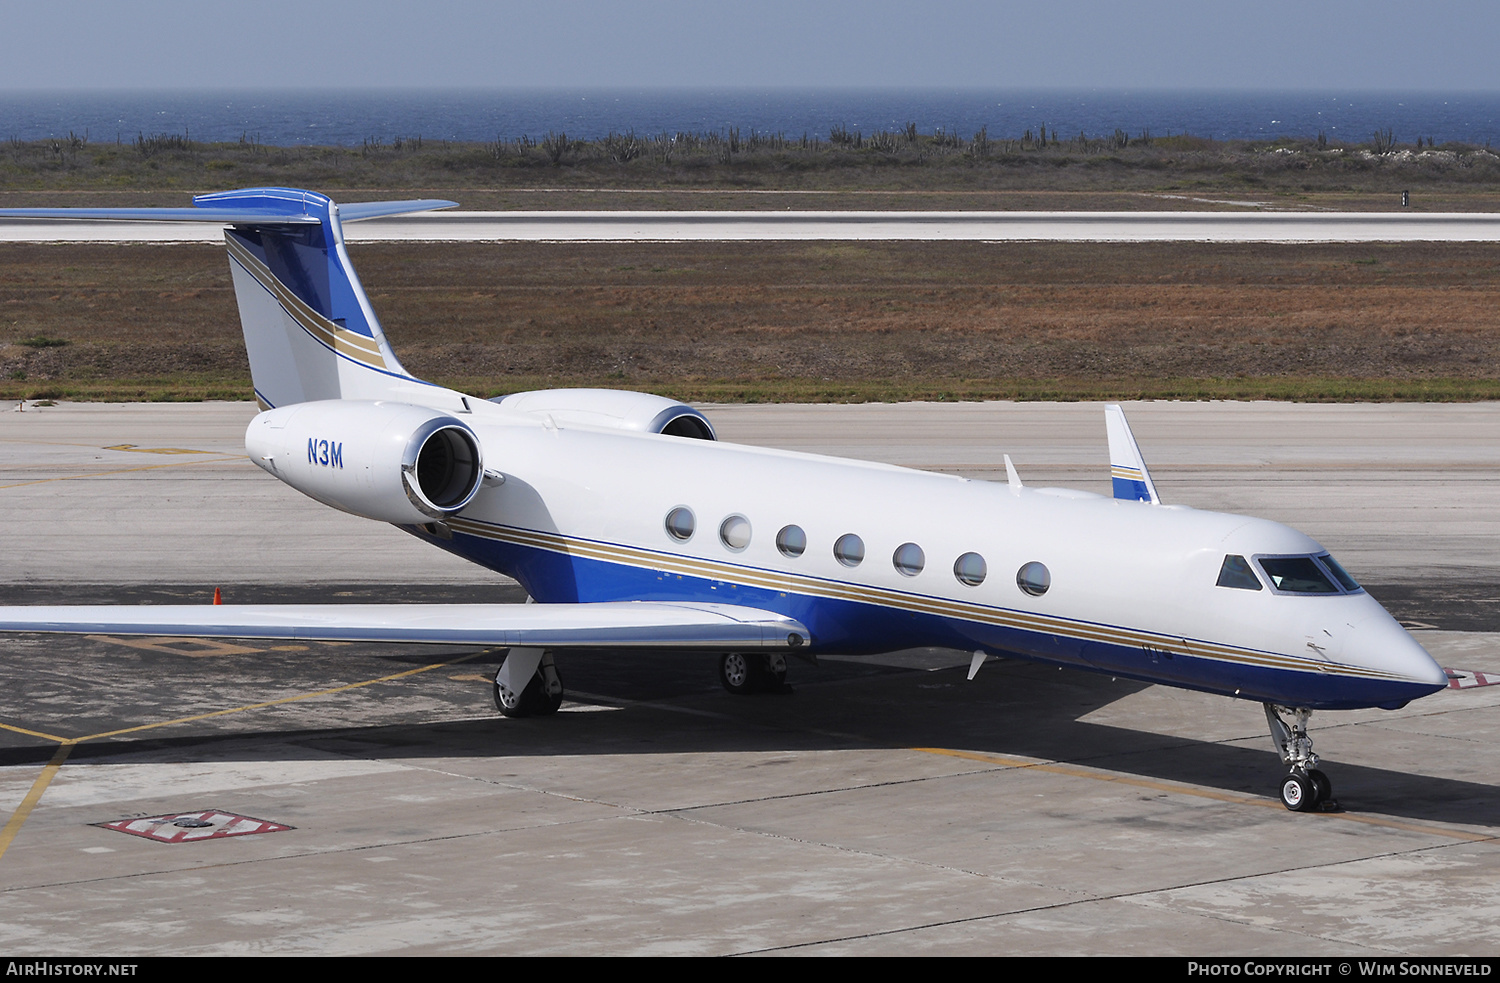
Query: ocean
{"x": 348, "y": 118}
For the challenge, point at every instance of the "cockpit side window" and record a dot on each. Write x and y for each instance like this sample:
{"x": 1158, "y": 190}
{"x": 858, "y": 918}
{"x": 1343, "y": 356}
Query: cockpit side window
{"x": 1340, "y": 574}
{"x": 1236, "y": 572}
{"x": 1297, "y": 575}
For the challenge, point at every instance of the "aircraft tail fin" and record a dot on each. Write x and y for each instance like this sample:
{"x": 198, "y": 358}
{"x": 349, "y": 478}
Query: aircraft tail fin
{"x": 310, "y": 331}
{"x": 1127, "y": 467}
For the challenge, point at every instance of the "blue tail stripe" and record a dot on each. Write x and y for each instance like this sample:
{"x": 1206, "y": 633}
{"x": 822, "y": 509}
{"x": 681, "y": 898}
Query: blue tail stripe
{"x": 303, "y": 259}
{"x": 1131, "y": 490}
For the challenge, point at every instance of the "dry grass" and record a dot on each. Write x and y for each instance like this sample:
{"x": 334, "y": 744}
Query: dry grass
{"x": 803, "y": 320}
{"x": 703, "y": 170}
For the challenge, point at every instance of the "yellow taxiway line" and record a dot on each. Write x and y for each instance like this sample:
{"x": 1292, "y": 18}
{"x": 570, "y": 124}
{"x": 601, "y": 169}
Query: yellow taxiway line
{"x": 67, "y": 744}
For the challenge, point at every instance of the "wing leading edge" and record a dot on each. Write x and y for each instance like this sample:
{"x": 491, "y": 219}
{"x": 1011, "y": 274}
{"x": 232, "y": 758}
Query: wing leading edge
{"x": 623, "y": 624}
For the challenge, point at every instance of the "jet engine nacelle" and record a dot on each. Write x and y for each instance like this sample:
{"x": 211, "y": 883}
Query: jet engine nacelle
{"x": 613, "y": 409}
{"x": 389, "y": 461}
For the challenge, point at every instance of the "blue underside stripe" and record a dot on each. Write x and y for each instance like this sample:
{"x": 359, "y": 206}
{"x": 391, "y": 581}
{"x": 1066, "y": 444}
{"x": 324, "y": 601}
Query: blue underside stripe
{"x": 858, "y": 628}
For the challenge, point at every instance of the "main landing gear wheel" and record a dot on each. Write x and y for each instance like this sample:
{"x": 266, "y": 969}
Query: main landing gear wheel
{"x": 542, "y": 694}
{"x": 1306, "y": 789}
{"x": 743, "y": 673}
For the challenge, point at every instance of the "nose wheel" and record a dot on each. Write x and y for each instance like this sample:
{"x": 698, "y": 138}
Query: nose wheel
{"x": 1306, "y": 789}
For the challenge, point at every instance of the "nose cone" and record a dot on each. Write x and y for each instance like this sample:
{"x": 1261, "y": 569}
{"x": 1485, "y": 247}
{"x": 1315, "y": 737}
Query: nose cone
{"x": 1415, "y": 661}
{"x": 1377, "y": 642}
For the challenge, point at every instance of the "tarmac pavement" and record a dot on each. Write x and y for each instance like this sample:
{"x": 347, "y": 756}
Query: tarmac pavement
{"x": 886, "y": 806}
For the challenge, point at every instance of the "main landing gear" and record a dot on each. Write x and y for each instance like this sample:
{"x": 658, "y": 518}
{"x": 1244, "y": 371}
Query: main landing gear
{"x": 753, "y": 672}
{"x": 527, "y": 684}
{"x": 1306, "y": 789}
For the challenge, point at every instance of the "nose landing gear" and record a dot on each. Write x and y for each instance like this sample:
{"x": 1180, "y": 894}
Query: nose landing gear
{"x": 1306, "y": 789}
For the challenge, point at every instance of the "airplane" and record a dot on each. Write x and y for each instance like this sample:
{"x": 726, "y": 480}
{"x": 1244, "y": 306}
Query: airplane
{"x": 630, "y": 526}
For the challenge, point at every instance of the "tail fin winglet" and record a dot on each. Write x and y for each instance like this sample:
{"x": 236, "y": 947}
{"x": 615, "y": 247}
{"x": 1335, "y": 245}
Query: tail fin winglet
{"x": 1127, "y": 468}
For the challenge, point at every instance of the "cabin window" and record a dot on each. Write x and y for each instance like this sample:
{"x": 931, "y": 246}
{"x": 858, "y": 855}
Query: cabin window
{"x": 1034, "y": 578}
{"x": 680, "y": 524}
{"x": 734, "y": 532}
{"x": 909, "y": 559}
{"x": 792, "y": 541}
{"x": 1296, "y": 575}
{"x": 1236, "y": 572}
{"x": 849, "y": 550}
{"x": 970, "y": 569}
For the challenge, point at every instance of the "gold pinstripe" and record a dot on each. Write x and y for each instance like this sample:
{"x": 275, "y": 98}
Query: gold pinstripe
{"x": 351, "y": 343}
{"x": 944, "y": 607}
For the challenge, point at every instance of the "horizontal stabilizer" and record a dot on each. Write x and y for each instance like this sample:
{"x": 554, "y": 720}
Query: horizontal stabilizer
{"x": 622, "y": 624}
{"x": 1127, "y": 468}
{"x": 248, "y": 206}
{"x": 358, "y": 211}
{"x": 220, "y": 216}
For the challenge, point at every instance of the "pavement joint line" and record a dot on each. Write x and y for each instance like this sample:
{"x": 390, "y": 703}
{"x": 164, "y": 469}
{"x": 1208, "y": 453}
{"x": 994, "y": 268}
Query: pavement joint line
{"x": 105, "y": 474}
{"x": 1293, "y": 930}
{"x": 1134, "y": 897}
{"x": 66, "y": 745}
{"x": 853, "y": 851}
{"x": 1078, "y": 771}
{"x": 310, "y": 854}
{"x": 1130, "y": 897}
{"x": 682, "y": 810}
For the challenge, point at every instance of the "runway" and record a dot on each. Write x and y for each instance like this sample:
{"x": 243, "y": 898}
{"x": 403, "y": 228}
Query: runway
{"x": 630, "y": 226}
{"x": 1401, "y": 492}
{"x": 887, "y": 806}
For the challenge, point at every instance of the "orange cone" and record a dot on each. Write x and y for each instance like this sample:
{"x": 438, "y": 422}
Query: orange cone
{"x": 218, "y": 598}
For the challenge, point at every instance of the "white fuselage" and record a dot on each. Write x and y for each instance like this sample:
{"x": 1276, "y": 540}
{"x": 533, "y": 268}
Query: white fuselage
{"x": 582, "y": 515}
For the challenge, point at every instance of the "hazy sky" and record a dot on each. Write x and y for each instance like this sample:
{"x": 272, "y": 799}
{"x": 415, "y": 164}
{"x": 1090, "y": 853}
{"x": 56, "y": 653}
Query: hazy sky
{"x": 1342, "y": 45}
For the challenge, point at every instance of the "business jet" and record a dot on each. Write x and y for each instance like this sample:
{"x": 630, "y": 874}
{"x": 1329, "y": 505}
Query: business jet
{"x": 631, "y": 527}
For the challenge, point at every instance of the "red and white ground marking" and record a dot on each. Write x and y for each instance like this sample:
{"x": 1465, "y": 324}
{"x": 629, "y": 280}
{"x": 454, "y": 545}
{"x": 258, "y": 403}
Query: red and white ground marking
{"x": 188, "y": 827}
{"x": 1463, "y": 679}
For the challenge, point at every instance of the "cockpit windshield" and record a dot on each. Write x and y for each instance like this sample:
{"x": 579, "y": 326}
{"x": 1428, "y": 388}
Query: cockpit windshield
{"x": 1319, "y": 574}
{"x": 1297, "y": 575}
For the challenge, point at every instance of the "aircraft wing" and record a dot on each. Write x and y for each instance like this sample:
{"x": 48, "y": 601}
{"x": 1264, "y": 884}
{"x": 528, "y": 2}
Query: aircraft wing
{"x": 622, "y": 624}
